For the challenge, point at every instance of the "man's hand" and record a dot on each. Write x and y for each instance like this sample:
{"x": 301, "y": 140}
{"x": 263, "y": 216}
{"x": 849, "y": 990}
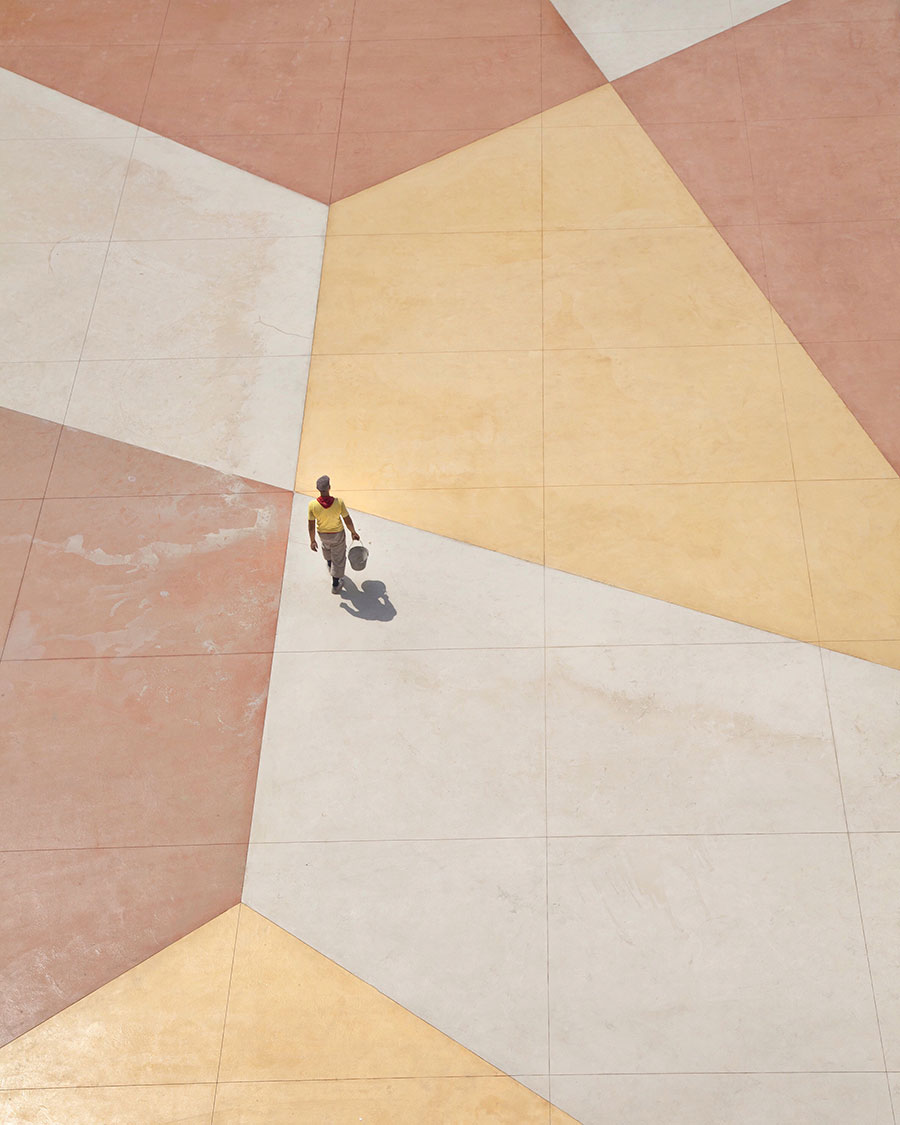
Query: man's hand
{"x": 313, "y": 545}
{"x": 355, "y": 535}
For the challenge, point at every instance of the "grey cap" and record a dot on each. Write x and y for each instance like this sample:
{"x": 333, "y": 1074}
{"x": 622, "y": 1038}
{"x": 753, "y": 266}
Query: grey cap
{"x": 323, "y": 482}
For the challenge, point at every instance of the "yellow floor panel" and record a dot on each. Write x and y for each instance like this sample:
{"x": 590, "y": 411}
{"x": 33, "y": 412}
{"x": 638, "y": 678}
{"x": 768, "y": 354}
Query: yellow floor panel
{"x": 620, "y": 358}
{"x": 243, "y": 1016}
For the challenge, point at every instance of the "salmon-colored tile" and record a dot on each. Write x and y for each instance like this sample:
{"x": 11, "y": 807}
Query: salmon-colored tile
{"x": 825, "y": 169}
{"x": 552, "y": 22}
{"x": 267, "y": 21}
{"x": 819, "y": 70}
{"x": 88, "y": 465}
{"x": 746, "y": 245}
{"x": 712, "y": 159}
{"x": 865, "y": 375}
{"x": 835, "y": 281}
{"x": 444, "y": 84}
{"x": 163, "y": 1017}
{"x": 852, "y": 533}
{"x": 830, "y": 11}
{"x": 303, "y": 162}
{"x": 27, "y": 446}
{"x": 131, "y": 752}
{"x": 700, "y": 84}
{"x": 410, "y": 19}
{"x": 253, "y": 89}
{"x": 82, "y": 21}
{"x": 83, "y": 917}
{"x": 18, "y": 519}
{"x": 364, "y": 159}
{"x": 152, "y": 576}
{"x": 113, "y": 78}
{"x": 567, "y": 70}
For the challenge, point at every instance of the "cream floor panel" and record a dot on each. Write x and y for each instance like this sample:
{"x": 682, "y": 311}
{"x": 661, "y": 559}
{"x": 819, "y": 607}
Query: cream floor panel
{"x": 240, "y": 416}
{"x": 397, "y": 1101}
{"x": 47, "y": 291}
{"x": 41, "y": 389}
{"x": 430, "y": 293}
{"x": 581, "y": 611}
{"x": 61, "y": 190}
{"x": 507, "y": 520}
{"x": 648, "y": 288}
{"x": 294, "y": 1014}
{"x": 714, "y": 1099}
{"x": 206, "y": 298}
{"x": 708, "y": 954}
{"x": 690, "y": 739}
{"x": 418, "y": 591}
{"x": 827, "y": 442}
{"x": 454, "y": 420}
{"x": 29, "y": 110}
{"x": 852, "y": 533}
{"x": 864, "y": 701}
{"x": 611, "y": 176}
{"x": 174, "y": 192}
{"x": 453, "y": 930}
{"x": 426, "y": 744}
{"x": 664, "y": 415}
{"x": 165, "y": 1018}
{"x": 118, "y": 1105}
{"x": 491, "y": 185}
{"x": 732, "y": 550}
{"x": 876, "y": 858}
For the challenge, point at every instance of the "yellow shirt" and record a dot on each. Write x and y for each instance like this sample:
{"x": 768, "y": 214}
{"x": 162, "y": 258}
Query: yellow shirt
{"x": 328, "y": 519}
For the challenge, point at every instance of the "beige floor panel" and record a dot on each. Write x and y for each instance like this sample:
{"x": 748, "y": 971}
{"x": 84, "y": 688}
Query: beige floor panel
{"x": 664, "y": 415}
{"x": 467, "y": 420}
{"x": 430, "y": 293}
{"x": 161, "y": 1022}
{"x": 734, "y": 550}
{"x": 878, "y": 652}
{"x": 117, "y": 1105}
{"x": 852, "y": 531}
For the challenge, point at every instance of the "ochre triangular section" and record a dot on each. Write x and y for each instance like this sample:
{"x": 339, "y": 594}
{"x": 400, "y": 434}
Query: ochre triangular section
{"x": 243, "y": 1014}
{"x": 548, "y": 350}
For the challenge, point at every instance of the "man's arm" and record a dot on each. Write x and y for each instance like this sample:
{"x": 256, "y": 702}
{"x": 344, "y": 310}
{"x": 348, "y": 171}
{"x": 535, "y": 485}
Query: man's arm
{"x": 349, "y": 522}
{"x": 313, "y": 545}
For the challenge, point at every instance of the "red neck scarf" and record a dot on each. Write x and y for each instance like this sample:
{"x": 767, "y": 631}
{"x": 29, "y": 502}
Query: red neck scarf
{"x": 326, "y": 501}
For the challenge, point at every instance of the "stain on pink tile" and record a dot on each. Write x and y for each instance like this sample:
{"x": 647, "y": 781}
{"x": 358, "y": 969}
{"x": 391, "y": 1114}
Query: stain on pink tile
{"x": 700, "y": 84}
{"x": 835, "y": 281}
{"x": 84, "y": 917}
{"x": 117, "y": 753}
{"x": 866, "y": 374}
{"x": 161, "y": 575}
{"x": 266, "y": 21}
{"x": 88, "y": 465}
{"x": 18, "y": 519}
{"x": 27, "y": 446}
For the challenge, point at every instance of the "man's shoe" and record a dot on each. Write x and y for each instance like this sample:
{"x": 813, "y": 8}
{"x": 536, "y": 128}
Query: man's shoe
{"x": 335, "y": 585}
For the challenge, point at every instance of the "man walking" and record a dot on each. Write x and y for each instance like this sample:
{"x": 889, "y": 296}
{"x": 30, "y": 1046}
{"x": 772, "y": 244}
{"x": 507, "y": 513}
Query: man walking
{"x": 326, "y": 513}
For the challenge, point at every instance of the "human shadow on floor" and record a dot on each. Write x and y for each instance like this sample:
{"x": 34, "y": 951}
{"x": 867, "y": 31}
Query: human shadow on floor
{"x": 368, "y": 601}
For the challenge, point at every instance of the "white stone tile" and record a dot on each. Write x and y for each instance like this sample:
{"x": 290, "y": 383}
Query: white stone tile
{"x": 876, "y": 858}
{"x": 865, "y": 710}
{"x": 725, "y": 1099}
{"x": 582, "y": 612}
{"x": 455, "y": 931}
{"x": 706, "y": 954}
{"x": 539, "y": 1083}
{"x": 746, "y": 9}
{"x": 60, "y": 190}
{"x": 642, "y": 15}
{"x": 240, "y": 416}
{"x": 687, "y": 739}
{"x": 618, "y": 53}
{"x": 206, "y": 298}
{"x": 418, "y": 591}
{"x": 46, "y": 293}
{"x": 41, "y": 389}
{"x": 417, "y": 745}
{"x": 174, "y": 192}
{"x": 28, "y": 109}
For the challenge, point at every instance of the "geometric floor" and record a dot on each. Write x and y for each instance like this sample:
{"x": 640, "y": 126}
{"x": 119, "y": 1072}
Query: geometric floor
{"x": 582, "y": 802}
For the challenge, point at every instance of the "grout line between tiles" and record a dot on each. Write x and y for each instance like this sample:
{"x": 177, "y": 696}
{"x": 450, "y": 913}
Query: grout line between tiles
{"x": 337, "y": 134}
{"x": 237, "y": 929}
